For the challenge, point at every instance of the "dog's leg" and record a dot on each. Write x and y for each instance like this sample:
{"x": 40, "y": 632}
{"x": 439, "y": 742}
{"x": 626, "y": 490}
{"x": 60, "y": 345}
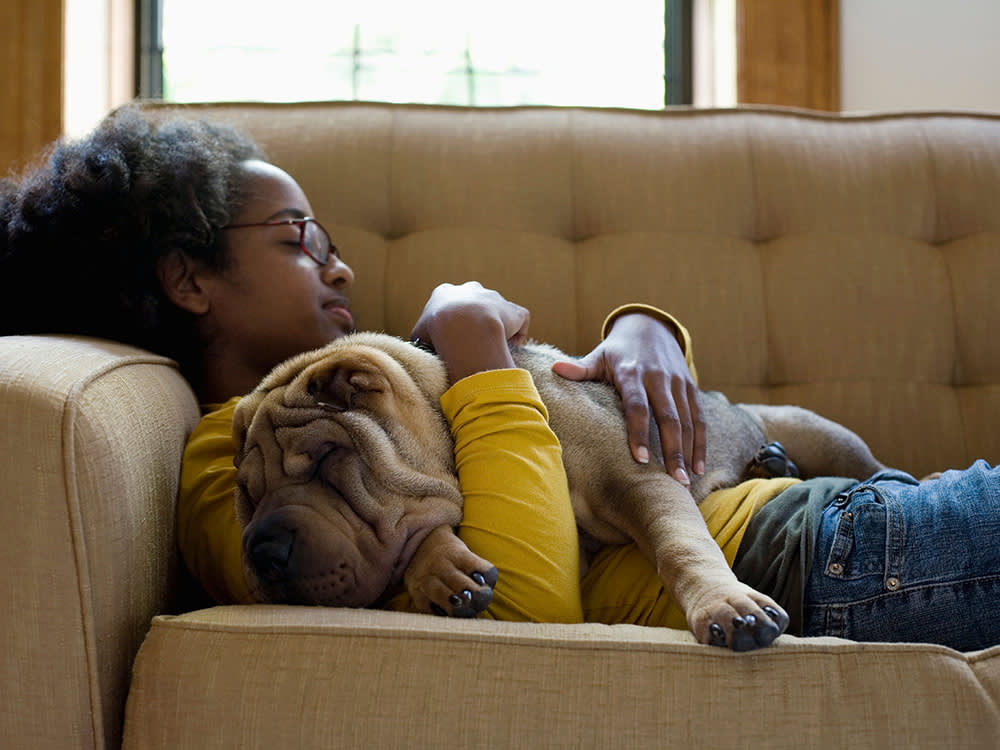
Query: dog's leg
{"x": 666, "y": 523}
{"x": 818, "y": 446}
{"x": 446, "y": 578}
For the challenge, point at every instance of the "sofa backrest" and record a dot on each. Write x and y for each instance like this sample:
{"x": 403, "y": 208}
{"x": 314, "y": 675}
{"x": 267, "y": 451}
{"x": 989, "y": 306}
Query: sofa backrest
{"x": 846, "y": 264}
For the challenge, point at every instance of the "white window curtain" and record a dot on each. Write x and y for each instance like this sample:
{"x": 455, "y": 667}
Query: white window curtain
{"x": 434, "y": 51}
{"x": 714, "y": 53}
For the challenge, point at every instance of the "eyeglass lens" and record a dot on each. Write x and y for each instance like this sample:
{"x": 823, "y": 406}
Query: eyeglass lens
{"x": 316, "y": 242}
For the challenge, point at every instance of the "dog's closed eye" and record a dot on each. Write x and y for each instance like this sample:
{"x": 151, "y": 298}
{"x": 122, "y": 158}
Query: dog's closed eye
{"x": 332, "y": 389}
{"x": 337, "y": 389}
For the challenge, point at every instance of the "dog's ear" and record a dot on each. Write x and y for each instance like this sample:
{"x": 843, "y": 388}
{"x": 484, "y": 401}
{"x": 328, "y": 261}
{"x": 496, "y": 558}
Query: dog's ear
{"x": 339, "y": 387}
{"x": 244, "y": 413}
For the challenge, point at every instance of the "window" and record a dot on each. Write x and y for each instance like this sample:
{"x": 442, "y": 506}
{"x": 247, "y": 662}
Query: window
{"x": 634, "y": 53}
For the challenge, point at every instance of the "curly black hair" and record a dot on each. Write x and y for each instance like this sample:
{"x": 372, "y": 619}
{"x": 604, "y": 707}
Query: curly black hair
{"x": 81, "y": 236}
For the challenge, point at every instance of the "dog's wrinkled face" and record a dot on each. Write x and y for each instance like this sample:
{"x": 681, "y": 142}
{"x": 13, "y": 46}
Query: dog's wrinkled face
{"x": 333, "y": 501}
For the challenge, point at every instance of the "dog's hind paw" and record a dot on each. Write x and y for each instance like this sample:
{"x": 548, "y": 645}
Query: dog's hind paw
{"x": 742, "y": 622}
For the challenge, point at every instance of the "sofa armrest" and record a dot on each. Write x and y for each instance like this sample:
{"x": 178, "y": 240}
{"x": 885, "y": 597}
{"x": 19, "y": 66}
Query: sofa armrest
{"x": 90, "y": 459}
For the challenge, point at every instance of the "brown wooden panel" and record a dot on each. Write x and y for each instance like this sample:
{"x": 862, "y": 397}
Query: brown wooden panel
{"x": 31, "y": 78}
{"x": 788, "y": 53}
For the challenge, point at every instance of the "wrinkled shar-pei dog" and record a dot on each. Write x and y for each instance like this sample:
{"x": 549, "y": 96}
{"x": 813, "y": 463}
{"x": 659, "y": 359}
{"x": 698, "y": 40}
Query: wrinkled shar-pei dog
{"x": 346, "y": 470}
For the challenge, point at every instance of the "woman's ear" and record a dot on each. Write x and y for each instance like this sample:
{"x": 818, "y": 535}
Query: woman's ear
{"x": 182, "y": 279}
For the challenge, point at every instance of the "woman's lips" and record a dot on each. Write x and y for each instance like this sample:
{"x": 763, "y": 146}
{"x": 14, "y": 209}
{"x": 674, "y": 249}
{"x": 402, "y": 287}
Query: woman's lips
{"x": 340, "y": 310}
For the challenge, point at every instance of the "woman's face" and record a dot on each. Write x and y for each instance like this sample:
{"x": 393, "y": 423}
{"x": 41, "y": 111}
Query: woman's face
{"x": 273, "y": 301}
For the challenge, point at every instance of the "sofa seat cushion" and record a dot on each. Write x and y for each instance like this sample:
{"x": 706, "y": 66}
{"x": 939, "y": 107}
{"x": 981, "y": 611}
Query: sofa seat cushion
{"x": 270, "y": 676}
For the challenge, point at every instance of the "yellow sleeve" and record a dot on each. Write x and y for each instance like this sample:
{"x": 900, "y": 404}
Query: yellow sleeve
{"x": 517, "y": 508}
{"x": 208, "y": 533}
{"x": 683, "y": 336}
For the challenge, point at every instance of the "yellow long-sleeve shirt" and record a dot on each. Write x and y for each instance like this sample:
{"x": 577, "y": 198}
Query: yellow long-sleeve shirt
{"x": 517, "y": 512}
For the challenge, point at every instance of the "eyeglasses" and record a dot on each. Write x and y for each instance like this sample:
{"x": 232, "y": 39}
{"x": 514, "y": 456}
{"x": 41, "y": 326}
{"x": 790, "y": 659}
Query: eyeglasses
{"x": 314, "y": 241}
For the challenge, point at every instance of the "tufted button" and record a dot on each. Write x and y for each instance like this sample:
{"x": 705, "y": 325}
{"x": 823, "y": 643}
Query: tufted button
{"x": 892, "y": 583}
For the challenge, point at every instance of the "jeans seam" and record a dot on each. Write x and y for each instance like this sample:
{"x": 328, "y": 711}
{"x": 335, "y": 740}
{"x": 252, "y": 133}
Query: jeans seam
{"x": 894, "y": 535}
{"x": 846, "y": 605}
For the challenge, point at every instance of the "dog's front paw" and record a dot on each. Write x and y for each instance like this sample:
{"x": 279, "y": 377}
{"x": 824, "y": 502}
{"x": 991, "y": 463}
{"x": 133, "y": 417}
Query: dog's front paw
{"x": 446, "y": 578}
{"x": 740, "y": 618}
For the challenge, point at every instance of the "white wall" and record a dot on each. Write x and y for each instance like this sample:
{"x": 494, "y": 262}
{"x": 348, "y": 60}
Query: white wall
{"x": 85, "y": 65}
{"x": 920, "y": 54}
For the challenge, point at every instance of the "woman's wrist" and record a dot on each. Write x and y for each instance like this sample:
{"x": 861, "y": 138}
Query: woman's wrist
{"x": 471, "y": 344}
{"x": 648, "y": 311}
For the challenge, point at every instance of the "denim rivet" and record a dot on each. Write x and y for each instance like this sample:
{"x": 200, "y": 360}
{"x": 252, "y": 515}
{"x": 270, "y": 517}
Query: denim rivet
{"x": 835, "y": 569}
{"x": 892, "y": 584}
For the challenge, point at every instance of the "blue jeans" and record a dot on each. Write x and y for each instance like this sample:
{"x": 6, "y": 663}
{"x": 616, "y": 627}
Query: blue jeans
{"x": 900, "y": 560}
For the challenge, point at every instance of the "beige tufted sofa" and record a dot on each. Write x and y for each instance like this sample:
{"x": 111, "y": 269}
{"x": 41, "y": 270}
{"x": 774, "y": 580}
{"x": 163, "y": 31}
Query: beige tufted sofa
{"x": 846, "y": 264}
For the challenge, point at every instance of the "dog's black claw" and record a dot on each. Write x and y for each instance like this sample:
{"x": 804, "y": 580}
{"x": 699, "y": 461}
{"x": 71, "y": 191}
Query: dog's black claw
{"x": 461, "y": 605}
{"x": 437, "y": 610}
{"x": 470, "y": 603}
{"x": 717, "y": 636}
{"x": 751, "y": 632}
{"x": 780, "y": 618}
{"x": 743, "y": 637}
{"x": 492, "y": 576}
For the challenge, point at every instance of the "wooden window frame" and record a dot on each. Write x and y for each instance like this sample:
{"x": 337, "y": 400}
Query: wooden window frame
{"x": 788, "y": 53}
{"x": 31, "y": 77}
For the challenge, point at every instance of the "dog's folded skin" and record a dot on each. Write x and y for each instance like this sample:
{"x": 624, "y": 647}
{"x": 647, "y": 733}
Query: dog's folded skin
{"x": 319, "y": 526}
{"x": 347, "y": 486}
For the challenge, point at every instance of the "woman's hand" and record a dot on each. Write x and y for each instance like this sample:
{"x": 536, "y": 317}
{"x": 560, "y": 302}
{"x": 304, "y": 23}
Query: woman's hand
{"x": 471, "y": 328}
{"x": 643, "y": 360}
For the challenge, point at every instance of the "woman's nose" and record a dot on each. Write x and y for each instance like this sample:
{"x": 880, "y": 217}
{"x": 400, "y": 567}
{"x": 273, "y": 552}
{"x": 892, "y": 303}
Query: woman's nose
{"x": 337, "y": 273}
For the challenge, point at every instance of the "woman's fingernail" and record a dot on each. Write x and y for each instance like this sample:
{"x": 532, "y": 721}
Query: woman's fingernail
{"x": 642, "y": 454}
{"x": 682, "y": 476}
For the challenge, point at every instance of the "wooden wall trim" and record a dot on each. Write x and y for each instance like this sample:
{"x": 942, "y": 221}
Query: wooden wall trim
{"x": 788, "y": 53}
{"x": 31, "y": 79}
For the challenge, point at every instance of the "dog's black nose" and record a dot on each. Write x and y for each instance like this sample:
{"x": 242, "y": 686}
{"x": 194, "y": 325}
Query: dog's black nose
{"x": 270, "y": 549}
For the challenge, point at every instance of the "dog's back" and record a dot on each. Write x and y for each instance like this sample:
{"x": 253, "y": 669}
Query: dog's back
{"x": 589, "y": 420}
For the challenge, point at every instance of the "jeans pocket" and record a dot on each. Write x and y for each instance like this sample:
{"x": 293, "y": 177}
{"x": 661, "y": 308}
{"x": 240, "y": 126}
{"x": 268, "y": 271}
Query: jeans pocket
{"x": 859, "y": 544}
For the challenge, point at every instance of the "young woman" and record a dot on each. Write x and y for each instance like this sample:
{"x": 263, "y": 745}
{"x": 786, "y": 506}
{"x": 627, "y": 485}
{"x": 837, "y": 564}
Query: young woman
{"x": 180, "y": 239}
